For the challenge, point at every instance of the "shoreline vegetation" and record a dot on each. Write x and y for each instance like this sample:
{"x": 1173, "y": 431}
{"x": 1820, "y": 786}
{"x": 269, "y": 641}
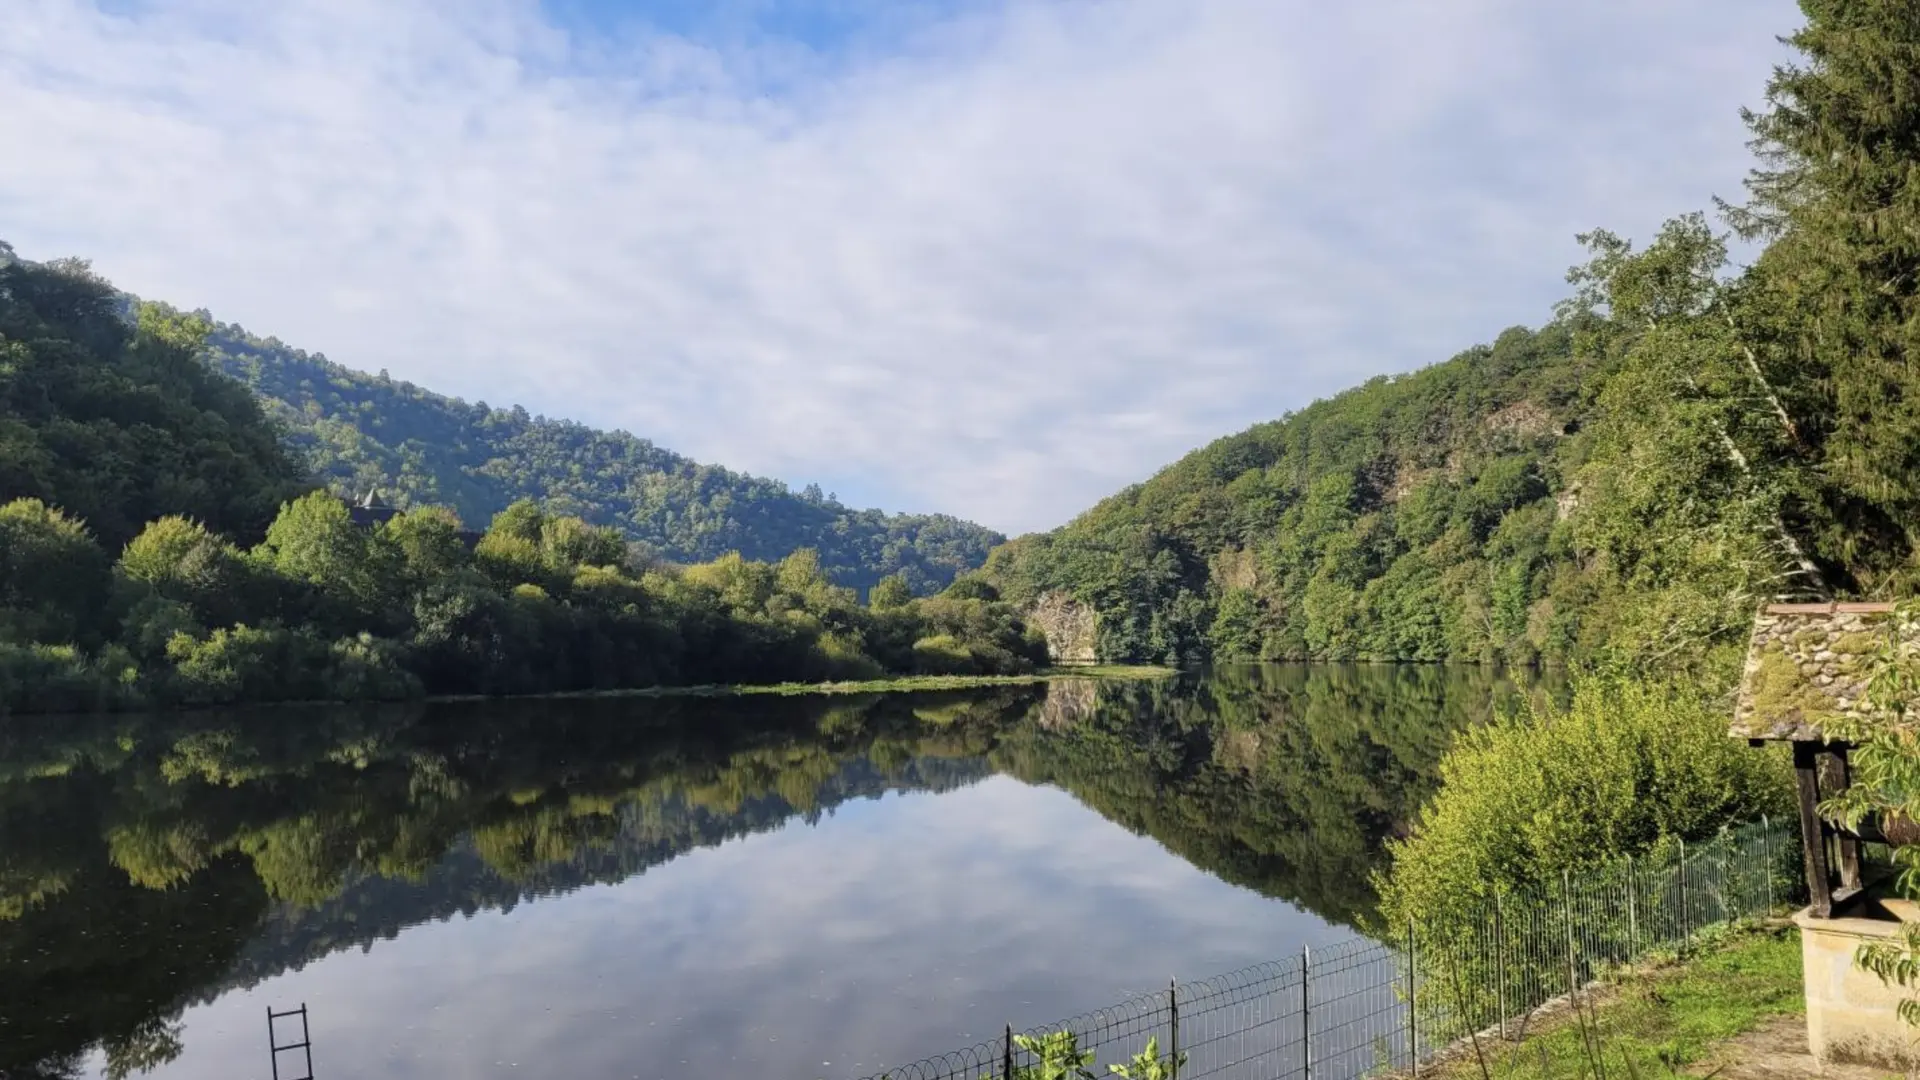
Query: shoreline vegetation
{"x": 902, "y": 684}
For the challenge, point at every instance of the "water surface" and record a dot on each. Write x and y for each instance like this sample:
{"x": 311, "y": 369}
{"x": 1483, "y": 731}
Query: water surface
{"x": 800, "y": 887}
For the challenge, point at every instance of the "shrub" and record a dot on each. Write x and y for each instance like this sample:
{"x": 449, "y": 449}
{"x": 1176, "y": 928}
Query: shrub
{"x": 59, "y": 678}
{"x": 1627, "y": 766}
{"x": 942, "y": 654}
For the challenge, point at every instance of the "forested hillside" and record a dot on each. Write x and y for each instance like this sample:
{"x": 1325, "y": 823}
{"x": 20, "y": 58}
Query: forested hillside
{"x": 359, "y": 431}
{"x": 1623, "y": 485}
{"x": 1410, "y": 517}
{"x": 158, "y": 545}
{"x": 1683, "y": 441}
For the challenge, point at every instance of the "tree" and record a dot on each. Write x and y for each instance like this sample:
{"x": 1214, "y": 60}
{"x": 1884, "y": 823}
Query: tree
{"x": 53, "y": 578}
{"x": 354, "y": 570}
{"x": 182, "y": 562}
{"x": 891, "y": 592}
{"x": 1695, "y": 473}
{"x": 428, "y": 540}
{"x": 1839, "y": 197}
{"x": 522, "y": 520}
{"x": 570, "y": 542}
{"x": 116, "y": 420}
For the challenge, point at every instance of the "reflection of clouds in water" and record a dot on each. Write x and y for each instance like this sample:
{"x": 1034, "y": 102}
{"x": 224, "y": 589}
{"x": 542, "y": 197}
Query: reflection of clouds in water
{"x": 892, "y": 930}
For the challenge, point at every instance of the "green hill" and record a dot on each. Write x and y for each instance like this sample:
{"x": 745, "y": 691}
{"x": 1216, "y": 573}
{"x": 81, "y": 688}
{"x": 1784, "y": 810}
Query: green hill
{"x": 1685, "y": 441}
{"x": 1413, "y": 517}
{"x": 360, "y": 431}
{"x": 117, "y": 422}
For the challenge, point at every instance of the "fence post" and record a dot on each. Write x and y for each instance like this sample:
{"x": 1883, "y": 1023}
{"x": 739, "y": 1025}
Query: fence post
{"x": 1500, "y": 960}
{"x": 1633, "y": 913}
{"x": 1566, "y": 906}
{"x": 1766, "y": 859}
{"x": 1413, "y": 1013}
{"x": 1306, "y": 1011}
{"x": 1686, "y": 929}
{"x": 1006, "y": 1056}
{"x": 1174, "y": 1034}
{"x": 1726, "y": 875}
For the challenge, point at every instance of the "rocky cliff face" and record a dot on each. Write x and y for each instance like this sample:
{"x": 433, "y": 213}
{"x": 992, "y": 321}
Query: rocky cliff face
{"x": 1071, "y": 627}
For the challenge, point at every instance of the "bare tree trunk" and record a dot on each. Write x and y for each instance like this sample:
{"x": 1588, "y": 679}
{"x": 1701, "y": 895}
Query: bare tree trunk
{"x": 1797, "y": 553}
{"x": 1766, "y": 388}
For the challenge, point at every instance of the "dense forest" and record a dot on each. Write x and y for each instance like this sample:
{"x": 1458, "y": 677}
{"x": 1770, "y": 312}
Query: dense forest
{"x": 1683, "y": 441}
{"x": 159, "y": 545}
{"x": 360, "y": 432}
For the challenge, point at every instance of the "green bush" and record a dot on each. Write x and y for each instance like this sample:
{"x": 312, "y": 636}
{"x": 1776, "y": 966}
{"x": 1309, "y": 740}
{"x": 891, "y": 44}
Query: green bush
{"x": 59, "y": 678}
{"x": 942, "y": 654}
{"x": 1627, "y": 766}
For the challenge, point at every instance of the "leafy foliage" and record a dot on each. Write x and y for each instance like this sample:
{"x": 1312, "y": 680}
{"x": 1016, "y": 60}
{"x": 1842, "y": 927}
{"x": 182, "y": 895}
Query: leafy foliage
{"x": 116, "y": 421}
{"x": 1148, "y": 1064}
{"x": 329, "y": 608}
{"x": 1627, "y": 767}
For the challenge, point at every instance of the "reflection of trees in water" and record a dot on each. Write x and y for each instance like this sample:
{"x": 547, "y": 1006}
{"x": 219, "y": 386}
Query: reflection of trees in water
{"x": 146, "y": 864}
{"x": 1283, "y": 778}
{"x": 140, "y": 859}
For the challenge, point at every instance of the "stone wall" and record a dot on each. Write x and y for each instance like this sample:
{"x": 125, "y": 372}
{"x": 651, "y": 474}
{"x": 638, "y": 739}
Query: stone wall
{"x": 1071, "y": 627}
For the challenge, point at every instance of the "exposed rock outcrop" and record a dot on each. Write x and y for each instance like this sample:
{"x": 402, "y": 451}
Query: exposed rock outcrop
{"x": 1071, "y": 628}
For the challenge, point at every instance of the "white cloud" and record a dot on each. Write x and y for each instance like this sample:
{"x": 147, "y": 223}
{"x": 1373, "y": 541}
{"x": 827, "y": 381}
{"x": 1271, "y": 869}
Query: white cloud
{"x": 1012, "y": 261}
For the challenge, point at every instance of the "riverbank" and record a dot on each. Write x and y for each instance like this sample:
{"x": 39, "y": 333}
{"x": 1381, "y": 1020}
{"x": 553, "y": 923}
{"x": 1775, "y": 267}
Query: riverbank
{"x": 899, "y": 684}
{"x": 1689, "y": 1016}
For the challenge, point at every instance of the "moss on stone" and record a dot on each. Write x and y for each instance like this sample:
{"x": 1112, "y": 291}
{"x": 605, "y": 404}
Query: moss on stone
{"x": 1858, "y": 643}
{"x": 1809, "y": 636}
{"x": 1780, "y": 692}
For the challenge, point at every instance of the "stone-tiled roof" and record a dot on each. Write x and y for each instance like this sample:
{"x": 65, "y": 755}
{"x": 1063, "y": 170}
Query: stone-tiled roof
{"x": 1806, "y": 662}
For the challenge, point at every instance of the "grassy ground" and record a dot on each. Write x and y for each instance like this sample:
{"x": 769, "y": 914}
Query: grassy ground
{"x": 1655, "y": 1022}
{"x": 882, "y": 686}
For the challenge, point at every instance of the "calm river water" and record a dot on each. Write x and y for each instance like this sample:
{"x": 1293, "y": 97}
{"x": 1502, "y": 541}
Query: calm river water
{"x": 773, "y": 887}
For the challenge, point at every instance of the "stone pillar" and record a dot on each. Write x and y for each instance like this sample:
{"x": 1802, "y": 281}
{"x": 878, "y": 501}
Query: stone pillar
{"x": 1851, "y": 1016}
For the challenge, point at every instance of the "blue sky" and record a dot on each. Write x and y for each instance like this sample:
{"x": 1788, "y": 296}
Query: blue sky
{"x": 997, "y": 258}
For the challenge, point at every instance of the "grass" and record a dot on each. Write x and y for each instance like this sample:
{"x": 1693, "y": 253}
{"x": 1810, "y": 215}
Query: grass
{"x": 1655, "y": 1022}
{"x": 898, "y": 684}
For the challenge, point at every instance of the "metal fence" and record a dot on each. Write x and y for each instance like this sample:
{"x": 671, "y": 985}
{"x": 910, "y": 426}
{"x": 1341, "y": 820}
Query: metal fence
{"x": 1368, "y": 1006}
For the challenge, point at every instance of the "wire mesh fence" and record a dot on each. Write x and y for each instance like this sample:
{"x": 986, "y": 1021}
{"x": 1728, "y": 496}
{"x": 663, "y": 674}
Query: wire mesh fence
{"x": 1373, "y": 1005}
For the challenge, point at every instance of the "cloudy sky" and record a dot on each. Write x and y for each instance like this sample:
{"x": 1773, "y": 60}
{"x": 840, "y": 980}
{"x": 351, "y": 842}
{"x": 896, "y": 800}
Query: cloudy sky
{"x": 992, "y": 257}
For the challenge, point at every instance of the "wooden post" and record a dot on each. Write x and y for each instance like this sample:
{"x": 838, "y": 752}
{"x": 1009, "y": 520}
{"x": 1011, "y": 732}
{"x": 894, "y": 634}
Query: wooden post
{"x": 1849, "y": 843}
{"x": 1813, "y": 834}
{"x": 1006, "y": 1057}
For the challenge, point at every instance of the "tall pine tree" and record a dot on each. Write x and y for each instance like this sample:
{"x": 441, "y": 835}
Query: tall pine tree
{"x": 1838, "y": 194}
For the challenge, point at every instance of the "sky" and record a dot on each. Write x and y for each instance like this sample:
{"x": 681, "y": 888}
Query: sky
{"x": 995, "y": 258}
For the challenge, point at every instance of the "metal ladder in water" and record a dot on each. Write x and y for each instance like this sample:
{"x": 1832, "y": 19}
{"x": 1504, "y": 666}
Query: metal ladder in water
{"x": 305, "y": 1044}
